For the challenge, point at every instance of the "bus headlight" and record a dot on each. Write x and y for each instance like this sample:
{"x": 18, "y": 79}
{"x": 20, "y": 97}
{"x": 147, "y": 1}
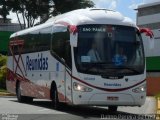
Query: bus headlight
{"x": 140, "y": 89}
{"x": 79, "y": 87}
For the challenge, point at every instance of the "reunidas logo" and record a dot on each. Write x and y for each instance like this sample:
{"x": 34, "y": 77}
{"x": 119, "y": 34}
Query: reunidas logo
{"x": 39, "y": 63}
{"x": 112, "y": 84}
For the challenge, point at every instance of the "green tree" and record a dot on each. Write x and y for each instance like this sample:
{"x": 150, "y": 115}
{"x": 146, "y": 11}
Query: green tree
{"x": 62, "y": 6}
{"x": 4, "y": 10}
{"x": 3, "y": 71}
{"x": 33, "y": 9}
{"x": 29, "y": 9}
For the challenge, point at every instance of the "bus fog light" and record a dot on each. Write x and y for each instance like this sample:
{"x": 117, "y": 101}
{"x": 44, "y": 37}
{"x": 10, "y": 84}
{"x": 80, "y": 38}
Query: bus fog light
{"x": 79, "y": 87}
{"x": 140, "y": 89}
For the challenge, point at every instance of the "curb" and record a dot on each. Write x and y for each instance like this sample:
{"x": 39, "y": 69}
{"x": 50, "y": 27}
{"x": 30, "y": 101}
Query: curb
{"x": 6, "y": 94}
{"x": 158, "y": 105}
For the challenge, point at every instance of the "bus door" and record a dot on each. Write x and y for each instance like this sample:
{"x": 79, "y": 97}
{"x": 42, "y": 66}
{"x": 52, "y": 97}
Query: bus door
{"x": 68, "y": 72}
{"x": 62, "y": 53}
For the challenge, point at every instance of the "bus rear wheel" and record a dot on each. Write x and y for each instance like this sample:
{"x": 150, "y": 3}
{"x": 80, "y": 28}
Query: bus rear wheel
{"x": 54, "y": 97}
{"x": 112, "y": 108}
{"x": 20, "y": 97}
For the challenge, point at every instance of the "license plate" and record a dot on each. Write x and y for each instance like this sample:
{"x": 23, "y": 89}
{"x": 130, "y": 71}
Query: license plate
{"x": 113, "y": 98}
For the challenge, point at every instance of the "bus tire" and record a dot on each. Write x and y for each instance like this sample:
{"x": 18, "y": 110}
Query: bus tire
{"x": 112, "y": 108}
{"x": 54, "y": 96}
{"x": 28, "y": 99}
{"x": 21, "y": 98}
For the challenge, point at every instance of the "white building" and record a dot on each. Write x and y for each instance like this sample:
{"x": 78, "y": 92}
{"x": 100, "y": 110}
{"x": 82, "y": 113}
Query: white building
{"x": 148, "y": 15}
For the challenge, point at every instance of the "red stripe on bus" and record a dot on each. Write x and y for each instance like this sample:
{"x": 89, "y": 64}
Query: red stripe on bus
{"x": 11, "y": 75}
{"x": 106, "y": 89}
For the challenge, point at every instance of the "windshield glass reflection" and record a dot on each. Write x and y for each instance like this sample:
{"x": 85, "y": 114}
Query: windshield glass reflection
{"x": 109, "y": 49}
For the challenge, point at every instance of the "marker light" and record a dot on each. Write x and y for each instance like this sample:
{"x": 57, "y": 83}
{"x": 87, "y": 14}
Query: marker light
{"x": 140, "y": 89}
{"x": 79, "y": 87}
{"x": 147, "y": 31}
{"x": 73, "y": 29}
{"x": 82, "y": 88}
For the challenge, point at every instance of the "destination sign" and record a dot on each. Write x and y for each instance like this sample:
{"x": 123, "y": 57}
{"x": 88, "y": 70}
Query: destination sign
{"x": 97, "y": 29}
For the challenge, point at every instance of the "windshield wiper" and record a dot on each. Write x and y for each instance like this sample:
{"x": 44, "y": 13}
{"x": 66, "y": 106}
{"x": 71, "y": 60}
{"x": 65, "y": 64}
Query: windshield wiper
{"x": 97, "y": 64}
{"x": 123, "y": 68}
{"x": 129, "y": 68}
{"x": 90, "y": 67}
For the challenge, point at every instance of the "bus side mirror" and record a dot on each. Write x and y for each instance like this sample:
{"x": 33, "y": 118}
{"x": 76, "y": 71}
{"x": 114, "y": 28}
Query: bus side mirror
{"x": 73, "y": 35}
{"x": 147, "y": 32}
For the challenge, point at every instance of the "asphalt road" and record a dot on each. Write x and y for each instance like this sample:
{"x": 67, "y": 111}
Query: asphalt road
{"x": 10, "y": 109}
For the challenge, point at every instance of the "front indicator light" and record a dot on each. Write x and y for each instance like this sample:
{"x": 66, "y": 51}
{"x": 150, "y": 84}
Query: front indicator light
{"x": 79, "y": 87}
{"x": 140, "y": 89}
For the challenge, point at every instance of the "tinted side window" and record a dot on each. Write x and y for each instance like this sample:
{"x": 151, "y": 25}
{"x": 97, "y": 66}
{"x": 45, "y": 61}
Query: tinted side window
{"x": 38, "y": 40}
{"x": 35, "y": 41}
{"x": 15, "y": 49}
{"x": 45, "y": 39}
{"x": 61, "y": 45}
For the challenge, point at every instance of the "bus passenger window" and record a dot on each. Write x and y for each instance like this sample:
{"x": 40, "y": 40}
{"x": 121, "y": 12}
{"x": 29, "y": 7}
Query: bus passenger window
{"x": 60, "y": 44}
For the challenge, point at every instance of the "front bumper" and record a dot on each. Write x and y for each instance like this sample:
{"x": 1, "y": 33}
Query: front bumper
{"x": 105, "y": 99}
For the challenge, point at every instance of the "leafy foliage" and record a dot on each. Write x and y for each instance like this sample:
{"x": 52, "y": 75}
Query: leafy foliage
{"x": 62, "y": 6}
{"x": 4, "y": 9}
{"x": 29, "y": 9}
{"x": 3, "y": 71}
{"x": 33, "y": 9}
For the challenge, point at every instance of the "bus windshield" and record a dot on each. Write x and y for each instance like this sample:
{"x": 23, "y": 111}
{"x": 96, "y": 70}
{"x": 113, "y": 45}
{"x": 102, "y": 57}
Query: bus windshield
{"x": 109, "y": 50}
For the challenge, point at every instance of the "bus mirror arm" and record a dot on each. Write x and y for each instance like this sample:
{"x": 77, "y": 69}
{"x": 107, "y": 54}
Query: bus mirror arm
{"x": 73, "y": 39}
{"x": 147, "y": 32}
{"x": 63, "y": 60}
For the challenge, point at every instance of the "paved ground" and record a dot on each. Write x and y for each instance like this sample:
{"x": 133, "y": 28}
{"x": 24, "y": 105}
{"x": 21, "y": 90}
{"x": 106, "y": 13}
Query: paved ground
{"x": 42, "y": 110}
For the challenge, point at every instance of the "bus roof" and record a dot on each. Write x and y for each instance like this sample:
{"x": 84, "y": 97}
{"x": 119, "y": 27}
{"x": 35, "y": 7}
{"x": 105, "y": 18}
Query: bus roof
{"x": 83, "y": 16}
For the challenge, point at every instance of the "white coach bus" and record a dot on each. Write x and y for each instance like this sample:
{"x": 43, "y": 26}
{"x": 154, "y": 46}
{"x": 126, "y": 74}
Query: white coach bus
{"x": 91, "y": 57}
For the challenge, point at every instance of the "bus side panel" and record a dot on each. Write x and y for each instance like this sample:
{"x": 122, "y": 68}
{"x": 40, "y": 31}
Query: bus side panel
{"x": 34, "y": 90}
{"x": 34, "y": 83}
{"x": 11, "y": 86}
{"x": 28, "y": 87}
{"x": 68, "y": 87}
{"x": 60, "y": 77}
{"x": 10, "y": 83}
{"x": 37, "y": 83}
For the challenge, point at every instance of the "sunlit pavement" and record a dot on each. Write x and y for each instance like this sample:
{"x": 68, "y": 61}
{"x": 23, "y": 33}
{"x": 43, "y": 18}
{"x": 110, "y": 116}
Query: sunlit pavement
{"x": 42, "y": 110}
{"x": 148, "y": 108}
